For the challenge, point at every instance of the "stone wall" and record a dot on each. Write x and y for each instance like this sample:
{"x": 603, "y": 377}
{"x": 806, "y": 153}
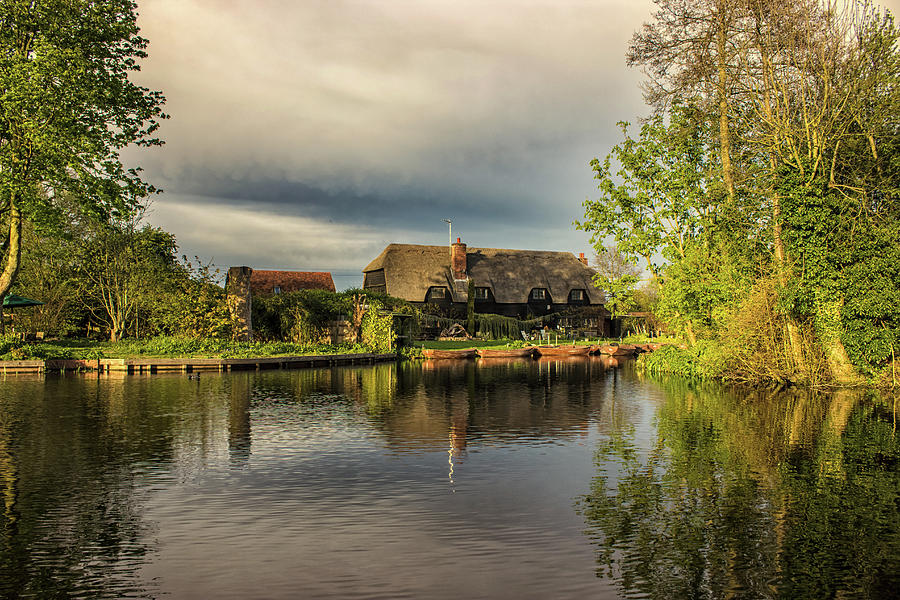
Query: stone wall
{"x": 340, "y": 332}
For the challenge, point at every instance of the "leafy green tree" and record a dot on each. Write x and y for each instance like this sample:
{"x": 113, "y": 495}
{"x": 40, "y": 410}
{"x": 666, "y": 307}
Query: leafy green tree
{"x": 121, "y": 269}
{"x": 188, "y": 301}
{"x": 656, "y": 197}
{"x": 617, "y": 278}
{"x": 782, "y": 162}
{"x": 49, "y": 274}
{"x": 69, "y": 108}
{"x": 659, "y": 201}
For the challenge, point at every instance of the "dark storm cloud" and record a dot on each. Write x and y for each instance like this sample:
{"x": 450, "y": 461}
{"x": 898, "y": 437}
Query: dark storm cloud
{"x": 318, "y": 131}
{"x": 402, "y": 207}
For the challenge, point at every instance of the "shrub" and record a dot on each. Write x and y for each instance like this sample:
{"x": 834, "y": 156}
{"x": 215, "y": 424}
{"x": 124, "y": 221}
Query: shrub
{"x": 706, "y": 360}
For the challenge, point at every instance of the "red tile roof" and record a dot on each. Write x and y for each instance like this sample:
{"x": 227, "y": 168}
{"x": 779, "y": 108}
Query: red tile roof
{"x": 265, "y": 282}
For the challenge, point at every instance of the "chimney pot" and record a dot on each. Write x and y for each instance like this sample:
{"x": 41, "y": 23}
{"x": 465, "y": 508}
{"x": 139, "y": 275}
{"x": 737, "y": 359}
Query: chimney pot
{"x": 582, "y": 258}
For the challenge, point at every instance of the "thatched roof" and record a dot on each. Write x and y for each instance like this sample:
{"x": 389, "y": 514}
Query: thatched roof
{"x": 411, "y": 269}
{"x": 264, "y": 282}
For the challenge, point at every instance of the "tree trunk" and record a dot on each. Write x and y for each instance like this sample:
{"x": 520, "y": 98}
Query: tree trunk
{"x": 827, "y": 322}
{"x": 689, "y": 333}
{"x": 793, "y": 331}
{"x": 722, "y": 93}
{"x": 14, "y": 251}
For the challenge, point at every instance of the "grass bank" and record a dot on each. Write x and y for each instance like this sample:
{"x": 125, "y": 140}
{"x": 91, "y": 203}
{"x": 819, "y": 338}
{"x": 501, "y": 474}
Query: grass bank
{"x": 703, "y": 361}
{"x": 164, "y": 347}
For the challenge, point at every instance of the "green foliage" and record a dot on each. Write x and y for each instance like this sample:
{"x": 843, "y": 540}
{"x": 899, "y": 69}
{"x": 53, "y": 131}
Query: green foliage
{"x": 773, "y": 166}
{"x": 871, "y": 311}
{"x": 619, "y": 293}
{"x": 497, "y": 327}
{"x": 69, "y": 108}
{"x": 191, "y": 303}
{"x": 470, "y": 308}
{"x": 700, "y": 290}
{"x": 301, "y": 316}
{"x": 48, "y": 274}
{"x": 377, "y": 327}
{"x": 660, "y": 195}
{"x": 304, "y": 316}
{"x": 122, "y": 269}
{"x": 702, "y": 361}
{"x": 11, "y": 348}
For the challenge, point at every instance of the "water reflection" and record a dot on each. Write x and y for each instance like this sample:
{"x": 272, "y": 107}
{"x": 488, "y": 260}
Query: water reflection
{"x": 443, "y": 479}
{"x": 751, "y": 495}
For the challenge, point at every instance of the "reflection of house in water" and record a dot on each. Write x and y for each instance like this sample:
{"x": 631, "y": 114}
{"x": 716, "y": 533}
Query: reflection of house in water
{"x": 451, "y": 406}
{"x": 498, "y": 401}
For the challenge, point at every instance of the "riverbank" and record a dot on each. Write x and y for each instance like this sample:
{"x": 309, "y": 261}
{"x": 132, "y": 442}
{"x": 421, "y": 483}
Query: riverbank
{"x": 164, "y": 347}
{"x": 189, "y": 365}
{"x": 714, "y": 361}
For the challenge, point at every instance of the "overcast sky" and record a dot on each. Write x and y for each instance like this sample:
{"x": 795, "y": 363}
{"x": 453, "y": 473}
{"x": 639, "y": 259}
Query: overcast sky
{"x": 308, "y": 135}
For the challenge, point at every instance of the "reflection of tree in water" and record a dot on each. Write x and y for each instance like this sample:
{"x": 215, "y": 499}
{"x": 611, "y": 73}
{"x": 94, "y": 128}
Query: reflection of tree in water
{"x": 73, "y": 455}
{"x": 759, "y": 497}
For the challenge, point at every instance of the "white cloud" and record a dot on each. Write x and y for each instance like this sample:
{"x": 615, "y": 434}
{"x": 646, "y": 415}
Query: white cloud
{"x": 371, "y": 94}
{"x": 241, "y": 235}
{"x": 484, "y": 112}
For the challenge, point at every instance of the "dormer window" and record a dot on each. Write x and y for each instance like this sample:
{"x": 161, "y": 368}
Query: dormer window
{"x": 276, "y": 290}
{"x": 437, "y": 293}
{"x": 482, "y": 293}
{"x": 576, "y": 296}
{"x": 538, "y": 294}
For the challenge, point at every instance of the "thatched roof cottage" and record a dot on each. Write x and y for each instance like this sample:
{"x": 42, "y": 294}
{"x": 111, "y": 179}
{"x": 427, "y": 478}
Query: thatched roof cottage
{"x": 508, "y": 282}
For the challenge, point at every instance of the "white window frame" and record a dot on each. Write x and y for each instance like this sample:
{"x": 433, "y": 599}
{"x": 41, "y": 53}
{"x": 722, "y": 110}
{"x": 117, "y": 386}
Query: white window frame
{"x": 538, "y": 294}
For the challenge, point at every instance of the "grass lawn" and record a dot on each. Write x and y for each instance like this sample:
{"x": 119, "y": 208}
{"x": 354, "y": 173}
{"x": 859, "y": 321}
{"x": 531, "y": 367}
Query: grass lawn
{"x": 164, "y": 347}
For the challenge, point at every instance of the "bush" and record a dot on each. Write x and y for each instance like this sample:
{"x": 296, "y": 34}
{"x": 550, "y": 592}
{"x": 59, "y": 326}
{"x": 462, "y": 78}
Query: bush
{"x": 706, "y": 360}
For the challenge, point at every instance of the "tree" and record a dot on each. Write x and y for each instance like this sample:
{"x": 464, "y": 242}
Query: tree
{"x": 122, "y": 268}
{"x": 188, "y": 300}
{"x": 617, "y": 278}
{"x": 69, "y": 108}
{"x": 49, "y": 274}
{"x": 657, "y": 199}
{"x": 784, "y": 158}
{"x": 657, "y": 196}
{"x": 689, "y": 52}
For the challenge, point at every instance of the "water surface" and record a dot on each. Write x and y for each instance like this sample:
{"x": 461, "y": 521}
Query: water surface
{"x": 496, "y": 479}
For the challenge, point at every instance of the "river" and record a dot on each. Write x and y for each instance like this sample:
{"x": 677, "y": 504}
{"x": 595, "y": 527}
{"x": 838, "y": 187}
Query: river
{"x": 444, "y": 479}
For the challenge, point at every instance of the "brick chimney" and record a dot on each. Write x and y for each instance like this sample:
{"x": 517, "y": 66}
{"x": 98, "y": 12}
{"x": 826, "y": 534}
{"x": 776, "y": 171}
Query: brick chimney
{"x": 582, "y": 258}
{"x": 458, "y": 260}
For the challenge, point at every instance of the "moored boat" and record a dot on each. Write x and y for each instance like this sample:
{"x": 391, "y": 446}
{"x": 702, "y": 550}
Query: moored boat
{"x": 527, "y": 352}
{"x": 617, "y": 349}
{"x": 563, "y": 350}
{"x": 433, "y": 353}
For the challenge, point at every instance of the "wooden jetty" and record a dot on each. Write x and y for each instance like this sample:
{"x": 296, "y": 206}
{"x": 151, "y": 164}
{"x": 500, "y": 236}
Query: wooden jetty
{"x": 189, "y": 365}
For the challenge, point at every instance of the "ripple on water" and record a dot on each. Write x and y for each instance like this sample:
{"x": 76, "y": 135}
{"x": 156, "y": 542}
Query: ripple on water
{"x": 521, "y": 480}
